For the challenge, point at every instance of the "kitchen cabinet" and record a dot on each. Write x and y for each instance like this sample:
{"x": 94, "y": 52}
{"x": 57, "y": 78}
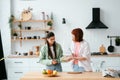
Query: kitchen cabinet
{"x": 67, "y": 66}
{"x": 100, "y": 63}
{"x": 17, "y": 67}
{"x": 34, "y": 65}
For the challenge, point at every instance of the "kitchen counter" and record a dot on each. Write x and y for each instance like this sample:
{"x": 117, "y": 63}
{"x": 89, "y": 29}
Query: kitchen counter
{"x": 66, "y": 76}
{"x": 36, "y": 56}
{"x": 16, "y": 56}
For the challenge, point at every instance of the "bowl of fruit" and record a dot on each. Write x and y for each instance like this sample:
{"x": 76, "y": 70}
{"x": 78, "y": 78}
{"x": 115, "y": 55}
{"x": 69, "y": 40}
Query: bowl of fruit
{"x": 49, "y": 73}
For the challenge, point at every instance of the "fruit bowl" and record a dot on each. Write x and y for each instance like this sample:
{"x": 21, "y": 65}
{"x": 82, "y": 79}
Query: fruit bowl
{"x": 49, "y": 73}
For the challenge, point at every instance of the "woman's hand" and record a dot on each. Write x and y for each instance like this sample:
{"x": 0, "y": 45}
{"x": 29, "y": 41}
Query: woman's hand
{"x": 79, "y": 58}
{"x": 54, "y": 61}
{"x": 69, "y": 58}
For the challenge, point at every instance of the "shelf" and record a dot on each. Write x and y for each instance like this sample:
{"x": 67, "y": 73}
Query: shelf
{"x": 26, "y": 39}
{"x": 32, "y": 30}
{"x": 31, "y": 21}
{"x": 109, "y": 55}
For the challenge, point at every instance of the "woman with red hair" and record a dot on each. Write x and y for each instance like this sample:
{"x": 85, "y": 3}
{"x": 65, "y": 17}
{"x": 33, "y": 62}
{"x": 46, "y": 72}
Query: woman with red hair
{"x": 80, "y": 52}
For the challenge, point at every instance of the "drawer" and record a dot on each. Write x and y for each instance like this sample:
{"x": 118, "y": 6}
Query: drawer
{"x": 37, "y": 69}
{"x": 13, "y": 78}
{"x": 35, "y": 63}
{"x": 66, "y": 64}
{"x": 67, "y": 67}
{"x": 113, "y": 62}
{"x": 17, "y": 72}
{"x": 17, "y": 63}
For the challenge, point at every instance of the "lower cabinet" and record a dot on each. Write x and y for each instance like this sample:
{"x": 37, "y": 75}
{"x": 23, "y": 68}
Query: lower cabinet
{"x": 34, "y": 65}
{"x": 17, "y": 67}
{"x": 67, "y": 66}
{"x": 16, "y": 72}
{"x": 101, "y": 63}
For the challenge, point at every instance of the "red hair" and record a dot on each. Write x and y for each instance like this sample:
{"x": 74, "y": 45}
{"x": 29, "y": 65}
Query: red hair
{"x": 78, "y": 33}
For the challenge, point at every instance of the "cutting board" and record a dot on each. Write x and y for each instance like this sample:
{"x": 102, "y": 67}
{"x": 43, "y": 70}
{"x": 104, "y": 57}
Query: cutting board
{"x": 102, "y": 49}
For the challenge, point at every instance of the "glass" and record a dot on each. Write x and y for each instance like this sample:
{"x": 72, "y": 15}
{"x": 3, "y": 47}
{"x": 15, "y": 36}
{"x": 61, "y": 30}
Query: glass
{"x": 97, "y": 66}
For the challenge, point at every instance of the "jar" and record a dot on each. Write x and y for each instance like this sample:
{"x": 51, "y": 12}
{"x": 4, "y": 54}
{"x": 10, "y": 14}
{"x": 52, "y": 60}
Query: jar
{"x": 37, "y": 50}
{"x": 30, "y": 52}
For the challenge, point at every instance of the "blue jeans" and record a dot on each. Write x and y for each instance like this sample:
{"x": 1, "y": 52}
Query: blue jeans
{"x": 77, "y": 68}
{"x": 56, "y": 67}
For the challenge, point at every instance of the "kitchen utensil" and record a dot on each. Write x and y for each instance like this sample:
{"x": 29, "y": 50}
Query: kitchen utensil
{"x": 25, "y": 54}
{"x": 74, "y": 72}
{"x": 111, "y": 48}
{"x": 71, "y": 51}
{"x": 30, "y": 52}
{"x": 47, "y": 17}
{"x": 35, "y": 37}
{"x": 29, "y": 27}
{"x": 26, "y": 15}
{"x": 43, "y": 15}
{"x": 36, "y": 50}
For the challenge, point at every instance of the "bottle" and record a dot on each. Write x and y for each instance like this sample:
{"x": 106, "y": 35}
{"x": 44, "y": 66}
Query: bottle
{"x": 102, "y": 49}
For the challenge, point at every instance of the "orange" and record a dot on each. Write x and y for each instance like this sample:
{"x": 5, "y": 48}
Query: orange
{"x": 49, "y": 71}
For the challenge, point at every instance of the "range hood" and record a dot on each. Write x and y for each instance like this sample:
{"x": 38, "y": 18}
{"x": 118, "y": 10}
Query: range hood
{"x": 96, "y": 23}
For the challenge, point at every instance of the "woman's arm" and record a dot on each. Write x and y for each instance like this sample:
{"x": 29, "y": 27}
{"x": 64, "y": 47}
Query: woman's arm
{"x": 43, "y": 59}
{"x": 59, "y": 54}
{"x": 85, "y": 53}
{"x": 80, "y": 58}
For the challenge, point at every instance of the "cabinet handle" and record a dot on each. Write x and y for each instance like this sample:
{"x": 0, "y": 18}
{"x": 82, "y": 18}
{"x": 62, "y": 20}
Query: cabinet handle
{"x": 18, "y": 62}
{"x": 37, "y": 62}
{"x": 18, "y": 72}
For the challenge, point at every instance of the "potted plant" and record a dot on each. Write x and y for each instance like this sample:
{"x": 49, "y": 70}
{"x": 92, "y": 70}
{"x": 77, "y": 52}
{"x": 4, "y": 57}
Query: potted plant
{"x": 20, "y": 25}
{"x": 11, "y": 19}
{"x": 117, "y": 41}
{"x": 49, "y": 24}
{"x": 15, "y": 35}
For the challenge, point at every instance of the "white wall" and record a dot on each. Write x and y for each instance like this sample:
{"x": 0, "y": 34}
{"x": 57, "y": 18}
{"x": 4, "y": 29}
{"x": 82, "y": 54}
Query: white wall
{"x": 4, "y": 26}
{"x": 78, "y": 13}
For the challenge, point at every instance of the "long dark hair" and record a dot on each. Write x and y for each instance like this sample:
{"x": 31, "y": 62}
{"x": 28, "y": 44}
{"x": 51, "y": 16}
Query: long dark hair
{"x": 51, "y": 34}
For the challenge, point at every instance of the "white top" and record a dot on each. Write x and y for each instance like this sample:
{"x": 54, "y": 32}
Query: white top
{"x": 53, "y": 53}
{"x": 84, "y": 52}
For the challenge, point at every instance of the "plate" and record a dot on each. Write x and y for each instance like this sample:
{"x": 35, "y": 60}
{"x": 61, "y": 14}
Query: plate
{"x": 74, "y": 72}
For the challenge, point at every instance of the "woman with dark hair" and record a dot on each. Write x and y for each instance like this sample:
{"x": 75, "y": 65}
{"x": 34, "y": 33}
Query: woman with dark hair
{"x": 80, "y": 52}
{"x": 51, "y": 53}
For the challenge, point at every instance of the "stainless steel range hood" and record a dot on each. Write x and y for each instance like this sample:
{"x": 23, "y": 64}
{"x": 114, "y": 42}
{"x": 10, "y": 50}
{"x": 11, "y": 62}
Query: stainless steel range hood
{"x": 96, "y": 23}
